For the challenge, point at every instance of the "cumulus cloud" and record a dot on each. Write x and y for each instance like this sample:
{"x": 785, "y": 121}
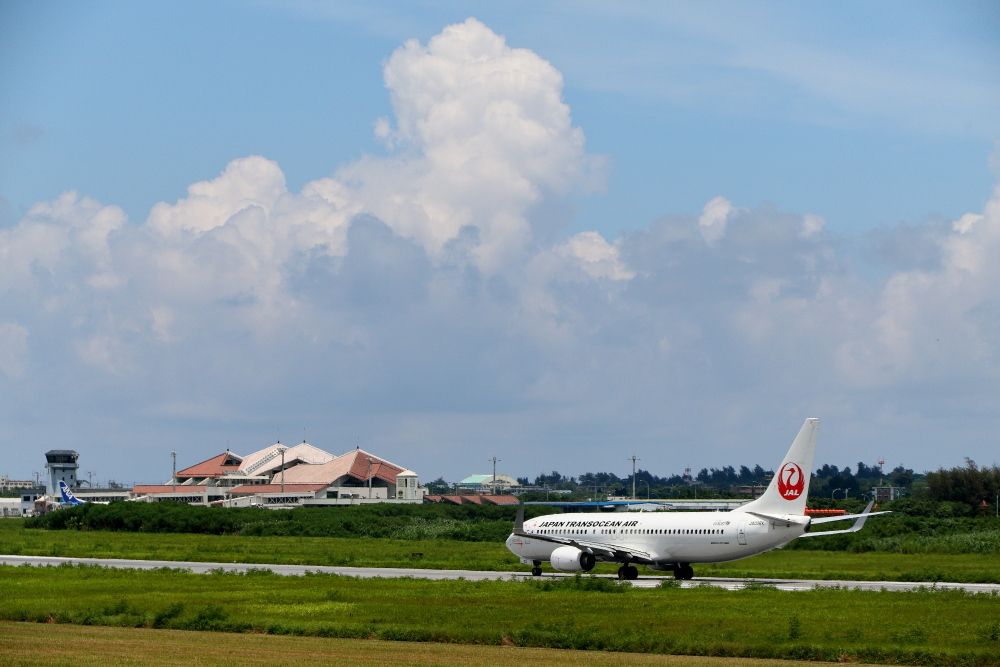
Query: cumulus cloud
{"x": 419, "y": 297}
{"x": 483, "y": 137}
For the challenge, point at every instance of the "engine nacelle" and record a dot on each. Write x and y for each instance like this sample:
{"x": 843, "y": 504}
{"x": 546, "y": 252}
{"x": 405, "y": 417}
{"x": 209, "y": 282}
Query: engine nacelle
{"x": 571, "y": 559}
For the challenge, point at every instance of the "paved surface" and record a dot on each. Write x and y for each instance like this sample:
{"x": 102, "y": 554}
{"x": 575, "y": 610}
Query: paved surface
{"x": 473, "y": 575}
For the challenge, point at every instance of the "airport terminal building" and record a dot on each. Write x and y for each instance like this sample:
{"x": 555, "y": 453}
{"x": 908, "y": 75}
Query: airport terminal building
{"x": 280, "y": 476}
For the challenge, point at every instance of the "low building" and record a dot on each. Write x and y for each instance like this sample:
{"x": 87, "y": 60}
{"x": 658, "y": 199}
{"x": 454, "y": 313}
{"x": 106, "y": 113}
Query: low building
{"x": 885, "y": 494}
{"x": 489, "y": 483}
{"x": 274, "y": 495}
{"x": 193, "y": 494}
{"x": 28, "y": 500}
{"x": 10, "y": 507}
{"x": 755, "y": 491}
{"x": 7, "y": 484}
{"x": 471, "y": 499}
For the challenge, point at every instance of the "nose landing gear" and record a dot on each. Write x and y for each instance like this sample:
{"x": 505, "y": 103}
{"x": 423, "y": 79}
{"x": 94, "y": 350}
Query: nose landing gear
{"x": 536, "y": 568}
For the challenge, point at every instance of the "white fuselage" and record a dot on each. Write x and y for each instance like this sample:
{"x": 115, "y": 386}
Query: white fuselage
{"x": 668, "y": 537}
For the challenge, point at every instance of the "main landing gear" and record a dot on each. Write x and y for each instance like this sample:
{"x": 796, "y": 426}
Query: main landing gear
{"x": 628, "y": 572}
{"x": 683, "y": 571}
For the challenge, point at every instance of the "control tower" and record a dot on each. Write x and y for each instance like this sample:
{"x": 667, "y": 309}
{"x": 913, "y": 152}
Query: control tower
{"x": 62, "y": 466}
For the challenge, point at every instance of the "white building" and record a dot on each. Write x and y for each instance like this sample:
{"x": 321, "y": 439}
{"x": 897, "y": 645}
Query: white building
{"x": 10, "y": 507}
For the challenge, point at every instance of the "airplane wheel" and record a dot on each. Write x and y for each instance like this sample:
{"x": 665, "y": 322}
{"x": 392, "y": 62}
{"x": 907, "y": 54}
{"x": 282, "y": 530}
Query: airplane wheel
{"x": 536, "y": 571}
{"x": 623, "y": 572}
{"x": 678, "y": 572}
{"x": 631, "y": 572}
{"x": 686, "y": 572}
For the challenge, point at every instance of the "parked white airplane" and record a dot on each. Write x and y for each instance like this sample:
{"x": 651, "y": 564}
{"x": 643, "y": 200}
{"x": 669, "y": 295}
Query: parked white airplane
{"x": 672, "y": 541}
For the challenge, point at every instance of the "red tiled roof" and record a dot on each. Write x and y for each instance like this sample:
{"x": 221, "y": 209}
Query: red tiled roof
{"x": 140, "y": 489}
{"x": 213, "y": 467}
{"x": 500, "y": 500}
{"x": 250, "y": 489}
{"x": 380, "y": 469}
{"x": 432, "y": 499}
{"x": 454, "y": 500}
{"x": 810, "y": 512}
{"x": 472, "y": 500}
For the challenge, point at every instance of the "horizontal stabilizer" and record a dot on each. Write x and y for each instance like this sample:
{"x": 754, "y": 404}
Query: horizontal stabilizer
{"x": 844, "y": 517}
{"x": 858, "y": 524}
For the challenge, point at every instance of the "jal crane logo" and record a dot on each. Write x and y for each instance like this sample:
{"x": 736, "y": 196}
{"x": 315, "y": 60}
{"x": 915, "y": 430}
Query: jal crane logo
{"x": 791, "y": 481}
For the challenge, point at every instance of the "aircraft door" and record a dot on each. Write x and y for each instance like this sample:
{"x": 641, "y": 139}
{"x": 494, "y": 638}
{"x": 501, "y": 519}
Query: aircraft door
{"x": 741, "y": 533}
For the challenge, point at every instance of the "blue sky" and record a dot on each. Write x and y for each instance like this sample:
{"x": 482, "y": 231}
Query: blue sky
{"x": 877, "y": 121}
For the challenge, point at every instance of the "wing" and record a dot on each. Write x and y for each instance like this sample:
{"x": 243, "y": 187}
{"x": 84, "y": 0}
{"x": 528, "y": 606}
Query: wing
{"x": 844, "y": 517}
{"x": 607, "y": 552}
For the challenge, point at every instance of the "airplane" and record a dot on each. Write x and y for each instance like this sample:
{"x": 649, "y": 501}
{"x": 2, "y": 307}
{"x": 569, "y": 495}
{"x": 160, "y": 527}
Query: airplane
{"x": 672, "y": 541}
{"x": 69, "y": 499}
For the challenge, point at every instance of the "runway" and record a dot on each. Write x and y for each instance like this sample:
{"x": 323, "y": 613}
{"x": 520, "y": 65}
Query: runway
{"x": 644, "y": 581}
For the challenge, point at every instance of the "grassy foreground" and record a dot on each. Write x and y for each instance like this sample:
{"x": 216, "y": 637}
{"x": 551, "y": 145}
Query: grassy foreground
{"x": 447, "y": 554}
{"x": 924, "y": 627}
{"x": 33, "y": 645}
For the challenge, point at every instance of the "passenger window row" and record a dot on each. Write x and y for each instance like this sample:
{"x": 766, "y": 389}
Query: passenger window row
{"x": 642, "y": 531}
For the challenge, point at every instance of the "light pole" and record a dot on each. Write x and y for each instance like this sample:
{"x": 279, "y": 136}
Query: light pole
{"x": 173, "y": 477}
{"x": 633, "y": 459}
{"x": 834, "y": 493}
{"x": 369, "y": 478}
{"x": 647, "y": 489}
{"x": 494, "y": 459}
{"x": 282, "y": 470}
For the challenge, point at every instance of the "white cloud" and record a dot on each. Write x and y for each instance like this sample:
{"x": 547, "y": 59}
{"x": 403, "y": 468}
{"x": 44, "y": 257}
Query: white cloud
{"x": 712, "y": 222}
{"x": 484, "y": 137}
{"x": 597, "y": 257}
{"x": 966, "y": 222}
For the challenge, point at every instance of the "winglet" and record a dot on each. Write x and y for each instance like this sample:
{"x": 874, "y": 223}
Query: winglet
{"x": 519, "y": 519}
{"x": 860, "y": 523}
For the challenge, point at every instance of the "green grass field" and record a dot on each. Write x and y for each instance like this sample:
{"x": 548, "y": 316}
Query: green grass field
{"x": 49, "y": 645}
{"x": 447, "y": 554}
{"x": 924, "y": 627}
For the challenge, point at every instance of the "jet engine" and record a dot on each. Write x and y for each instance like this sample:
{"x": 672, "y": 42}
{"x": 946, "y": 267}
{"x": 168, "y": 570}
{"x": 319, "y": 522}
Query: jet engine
{"x": 571, "y": 559}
